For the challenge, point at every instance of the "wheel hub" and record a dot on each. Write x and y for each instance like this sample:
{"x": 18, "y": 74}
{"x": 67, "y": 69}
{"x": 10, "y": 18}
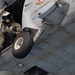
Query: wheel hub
{"x": 18, "y": 43}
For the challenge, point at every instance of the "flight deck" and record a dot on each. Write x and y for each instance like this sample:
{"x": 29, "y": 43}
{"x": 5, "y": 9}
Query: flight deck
{"x": 52, "y": 54}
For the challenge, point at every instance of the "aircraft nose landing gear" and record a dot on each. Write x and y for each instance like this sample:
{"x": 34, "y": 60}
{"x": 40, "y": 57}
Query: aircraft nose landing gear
{"x": 22, "y": 45}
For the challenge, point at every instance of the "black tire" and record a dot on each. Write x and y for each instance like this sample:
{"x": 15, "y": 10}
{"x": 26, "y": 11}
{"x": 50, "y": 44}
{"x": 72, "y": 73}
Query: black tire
{"x": 26, "y": 46}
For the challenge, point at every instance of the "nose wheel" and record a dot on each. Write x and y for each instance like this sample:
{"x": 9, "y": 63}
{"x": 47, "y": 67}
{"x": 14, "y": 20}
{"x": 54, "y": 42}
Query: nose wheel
{"x": 22, "y": 45}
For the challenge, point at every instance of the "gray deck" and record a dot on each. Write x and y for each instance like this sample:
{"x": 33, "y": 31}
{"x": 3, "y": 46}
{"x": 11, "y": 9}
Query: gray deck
{"x": 54, "y": 52}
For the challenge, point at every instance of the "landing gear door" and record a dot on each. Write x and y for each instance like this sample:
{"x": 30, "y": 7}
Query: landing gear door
{"x": 45, "y": 6}
{"x": 32, "y": 10}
